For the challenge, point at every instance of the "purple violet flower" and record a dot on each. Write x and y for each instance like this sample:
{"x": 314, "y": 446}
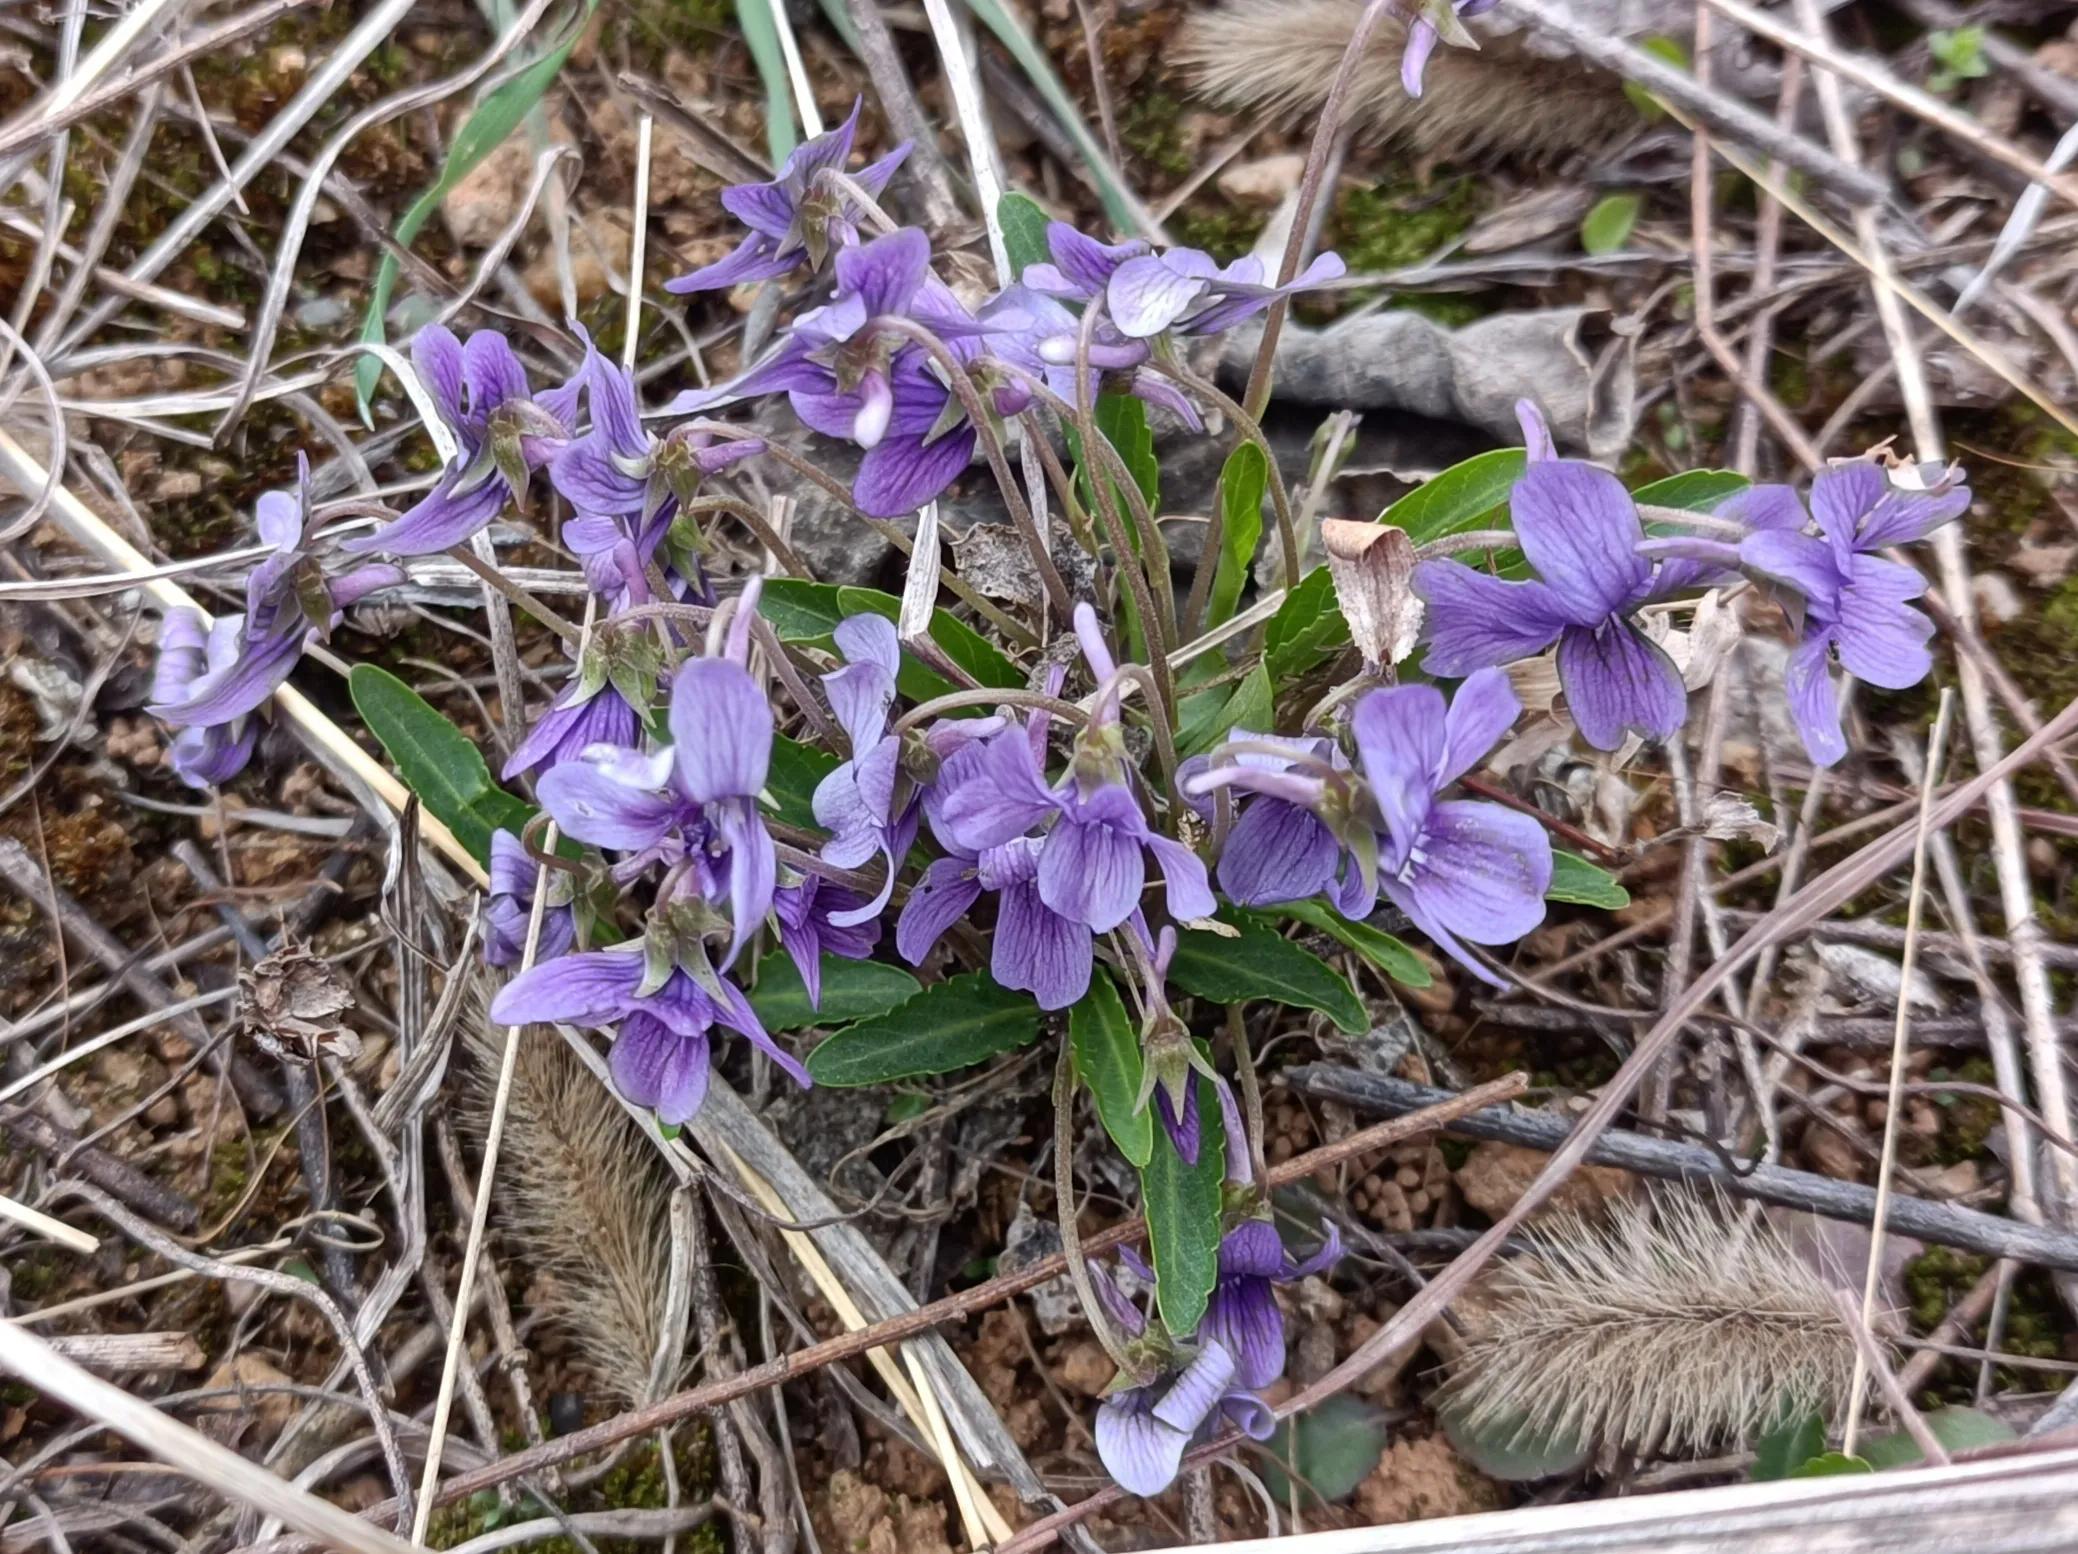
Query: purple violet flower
{"x": 659, "y": 1056}
{"x": 798, "y": 218}
{"x": 1182, "y": 291}
{"x": 503, "y": 431}
{"x": 580, "y": 717}
{"x": 1280, "y": 849}
{"x": 288, "y": 599}
{"x": 1243, "y": 1317}
{"x": 509, "y": 905}
{"x": 1854, "y": 604}
{"x": 868, "y": 804}
{"x": 818, "y": 918}
{"x": 1581, "y": 532}
{"x": 1434, "y": 21}
{"x": 208, "y": 755}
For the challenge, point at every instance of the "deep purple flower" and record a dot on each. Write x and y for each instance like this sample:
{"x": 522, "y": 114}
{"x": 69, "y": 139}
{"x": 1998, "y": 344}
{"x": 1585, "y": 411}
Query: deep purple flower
{"x": 1182, "y": 291}
{"x": 509, "y": 905}
{"x": 817, "y": 918}
{"x": 868, "y": 804}
{"x": 1581, "y": 532}
{"x": 1434, "y": 21}
{"x": 660, "y": 1052}
{"x": 1280, "y": 848}
{"x": 1458, "y": 868}
{"x": 207, "y": 755}
{"x": 580, "y": 716}
{"x": 1855, "y": 605}
{"x": 503, "y": 431}
{"x": 798, "y": 218}
{"x": 1242, "y": 1316}
{"x": 288, "y": 598}
{"x": 1034, "y": 948}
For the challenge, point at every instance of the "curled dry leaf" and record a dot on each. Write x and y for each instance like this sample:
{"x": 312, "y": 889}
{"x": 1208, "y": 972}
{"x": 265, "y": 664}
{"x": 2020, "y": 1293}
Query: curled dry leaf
{"x": 289, "y": 1005}
{"x": 1372, "y": 567}
{"x": 1730, "y": 818}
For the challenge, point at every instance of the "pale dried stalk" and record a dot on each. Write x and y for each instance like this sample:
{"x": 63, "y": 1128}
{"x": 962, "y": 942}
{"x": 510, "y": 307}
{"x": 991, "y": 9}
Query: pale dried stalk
{"x": 39, "y": 1223}
{"x": 1900, "y": 1049}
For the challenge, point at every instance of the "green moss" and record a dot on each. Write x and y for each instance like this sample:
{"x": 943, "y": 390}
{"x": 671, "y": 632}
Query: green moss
{"x": 1223, "y": 230}
{"x": 1403, "y": 221}
{"x": 691, "y": 25}
{"x": 1152, "y": 129}
{"x": 635, "y": 1483}
{"x": 1966, "y": 1120}
{"x": 1938, "y": 1278}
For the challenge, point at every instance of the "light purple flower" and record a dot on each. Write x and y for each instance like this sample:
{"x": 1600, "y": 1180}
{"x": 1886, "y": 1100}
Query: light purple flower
{"x": 660, "y": 1052}
{"x": 818, "y": 918}
{"x": 1434, "y": 21}
{"x": 580, "y": 717}
{"x": 868, "y": 804}
{"x": 288, "y": 598}
{"x": 1034, "y": 948}
{"x": 503, "y": 430}
{"x": 1142, "y": 1432}
{"x": 208, "y": 755}
{"x": 1581, "y": 532}
{"x": 798, "y": 218}
{"x": 1458, "y": 868}
{"x": 509, "y": 905}
{"x": 1855, "y": 605}
{"x": 1243, "y": 1317}
{"x": 721, "y": 732}
{"x": 1182, "y": 291}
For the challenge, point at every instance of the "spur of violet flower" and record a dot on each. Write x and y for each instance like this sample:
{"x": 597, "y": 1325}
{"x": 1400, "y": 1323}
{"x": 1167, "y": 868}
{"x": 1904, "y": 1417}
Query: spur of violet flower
{"x": 818, "y": 918}
{"x": 1437, "y": 21}
{"x": 288, "y": 599}
{"x": 800, "y": 217}
{"x": 1096, "y": 840}
{"x": 1581, "y": 532}
{"x": 503, "y": 431}
{"x": 1855, "y": 606}
{"x": 1176, "y": 1398}
{"x": 1179, "y": 291}
{"x": 659, "y": 1056}
{"x": 207, "y": 755}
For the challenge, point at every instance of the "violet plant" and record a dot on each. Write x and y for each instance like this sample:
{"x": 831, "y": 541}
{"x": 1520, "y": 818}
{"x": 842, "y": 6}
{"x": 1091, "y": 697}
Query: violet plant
{"x": 1079, "y": 817}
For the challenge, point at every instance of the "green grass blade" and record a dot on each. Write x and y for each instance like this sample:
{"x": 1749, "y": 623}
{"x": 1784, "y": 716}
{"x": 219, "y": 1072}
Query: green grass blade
{"x": 761, "y": 33}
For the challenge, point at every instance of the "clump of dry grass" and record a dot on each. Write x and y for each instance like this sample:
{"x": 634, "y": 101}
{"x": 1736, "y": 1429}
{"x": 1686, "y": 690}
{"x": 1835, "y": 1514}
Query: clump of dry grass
{"x": 584, "y": 1197}
{"x": 1672, "y": 1327}
{"x": 1279, "y": 56}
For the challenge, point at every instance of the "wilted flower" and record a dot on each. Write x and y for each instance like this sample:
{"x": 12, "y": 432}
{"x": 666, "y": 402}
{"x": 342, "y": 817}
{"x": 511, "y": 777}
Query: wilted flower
{"x": 1855, "y": 605}
{"x": 509, "y": 905}
{"x": 287, "y": 599}
{"x": 503, "y": 431}
{"x": 1581, "y": 532}
{"x": 206, "y": 755}
{"x": 1242, "y": 1316}
{"x": 798, "y": 218}
{"x": 660, "y": 1052}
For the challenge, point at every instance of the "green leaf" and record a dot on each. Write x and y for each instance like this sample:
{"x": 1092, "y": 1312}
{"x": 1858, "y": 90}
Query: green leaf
{"x": 1024, "y": 230}
{"x": 801, "y": 610}
{"x": 1107, "y": 1061}
{"x": 952, "y": 1025}
{"x": 852, "y": 990}
{"x": 481, "y": 133}
{"x": 437, "y": 761}
{"x": 1262, "y": 963}
{"x": 1697, "y": 491}
{"x": 1664, "y": 48}
{"x": 1787, "y": 1447}
{"x": 1307, "y": 629}
{"x": 1608, "y": 226}
{"x": 1378, "y": 947}
{"x": 1957, "y": 1429}
{"x": 1330, "y": 1449}
{"x": 1471, "y": 495}
{"x": 796, "y": 769}
{"x": 761, "y": 37}
{"x": 1119, "y": 203}
{"x": 807, "y": 612}
{"x": 1830, "y": 1464}
{"x": 1504, "y": 1448}
{"x": 1208, "y": 716}
{"x": 1182, "y": 1203}
{"x": 1575, "y": 880}
{"x": 1242, "y": 484}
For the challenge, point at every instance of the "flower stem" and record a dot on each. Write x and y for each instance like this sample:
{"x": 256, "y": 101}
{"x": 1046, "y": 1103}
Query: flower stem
{"x": 1252, "y": 429}
{"x": 990, "y": 696}
{"x": 1251, "y": 1092}
{"x": 495, "y": 579}
{"x": 1470, "y": 540}
{"x": 1064, "y": 1208}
